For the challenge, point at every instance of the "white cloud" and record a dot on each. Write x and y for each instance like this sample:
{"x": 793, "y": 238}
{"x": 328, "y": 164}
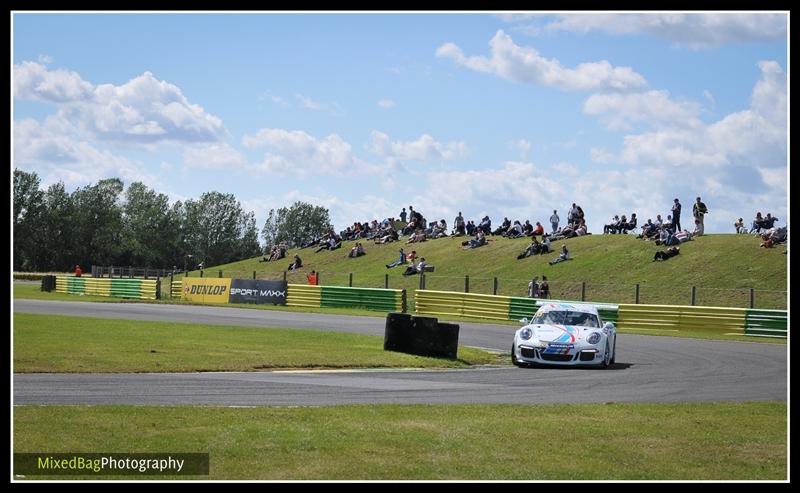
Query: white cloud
{"x": 144, "y": 110}
{"x": 213, "y": 156}
{"x": 309, "y": 103}
{"x": 752, "y": 137}
{"x": 526, "y": 65}
{"x": 45, "y": 59}
{"x": 424, "y": 149}
{"x": 386, "y": 103}
{"x": 301, "y": 153}
{"x": 35, "y": 82}
{"x": 694, "y": 30}
{"x": 523, "y": 146}
{"x": 710, "y": 98}
{"x": 601, "y": 156}
{"x": 620, "y": 111}
{"x": 59, "y": 157}
{"x": 565, "y": 169}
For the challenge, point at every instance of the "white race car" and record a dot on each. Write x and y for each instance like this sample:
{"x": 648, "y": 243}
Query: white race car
{"x": 565, "y": 334}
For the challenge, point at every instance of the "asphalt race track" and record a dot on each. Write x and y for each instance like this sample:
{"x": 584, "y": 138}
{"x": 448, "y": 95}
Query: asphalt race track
{"x": 648, "y": 369}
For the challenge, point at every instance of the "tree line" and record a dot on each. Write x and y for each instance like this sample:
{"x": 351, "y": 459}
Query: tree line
{"x": 105, "y": 224}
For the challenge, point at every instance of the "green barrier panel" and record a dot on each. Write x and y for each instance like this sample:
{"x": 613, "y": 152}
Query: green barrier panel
{"x": 766, "y": 323}
{"x": 370, "y": 298}
{"x": 126, "y": 288}
{"x": 76, "y": 285}
{"x": 522, "y": 308}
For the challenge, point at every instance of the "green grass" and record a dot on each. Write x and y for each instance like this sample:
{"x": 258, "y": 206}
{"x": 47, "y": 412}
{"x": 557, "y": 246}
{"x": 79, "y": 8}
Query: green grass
{"x": 722, "y": 267}
{"x": 44, "y": 343}
{"x": 615, "y": 441}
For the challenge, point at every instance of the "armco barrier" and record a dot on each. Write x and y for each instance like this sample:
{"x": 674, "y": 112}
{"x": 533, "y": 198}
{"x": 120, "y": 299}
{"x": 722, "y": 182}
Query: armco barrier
{"x": 140, "y": 289}
{"x": 176, "y": 289}
{"x": 490, "y": 307}
{"x": 681, "y": 318}
{"x": 766, "y": 323}
{"x": 762, "y": 323}
{"x": 344, "y": 297}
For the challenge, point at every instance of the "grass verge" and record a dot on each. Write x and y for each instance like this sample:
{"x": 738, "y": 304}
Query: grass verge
{"x": 698, "y": 441}
{"x": 44, "y": 343}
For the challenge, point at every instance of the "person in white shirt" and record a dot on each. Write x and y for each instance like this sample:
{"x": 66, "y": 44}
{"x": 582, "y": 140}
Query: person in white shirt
{"x": 554, "y": 220}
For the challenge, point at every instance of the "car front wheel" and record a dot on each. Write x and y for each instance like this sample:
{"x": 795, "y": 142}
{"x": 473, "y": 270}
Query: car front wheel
{"x": 514, "y": 357}
{"x": 607, "y": 356}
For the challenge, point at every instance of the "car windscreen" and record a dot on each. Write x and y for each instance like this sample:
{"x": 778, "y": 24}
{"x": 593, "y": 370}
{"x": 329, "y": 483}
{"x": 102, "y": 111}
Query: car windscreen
{"x": 582, "y": 319}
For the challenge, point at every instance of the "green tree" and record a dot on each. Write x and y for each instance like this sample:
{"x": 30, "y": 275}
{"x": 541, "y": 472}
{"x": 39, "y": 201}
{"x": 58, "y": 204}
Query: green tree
{"x": 59, "y": 238}
{"x": 296, "y": 225}
{"x": 97, "y": 223}
{"x": 147, "y": 228}
{"x": 212, "y": 226}
{"x": 28, "y": 227}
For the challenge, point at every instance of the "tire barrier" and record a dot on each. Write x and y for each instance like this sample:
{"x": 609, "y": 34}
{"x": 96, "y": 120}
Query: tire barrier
{"x": 176, "y": 290}
{"x": 48, "y": 283}
{"x": 140, "y": 289}
{"x": 422, "y": 336}
{"x": 385, "y": 300}
{"x": 750, "y": 322}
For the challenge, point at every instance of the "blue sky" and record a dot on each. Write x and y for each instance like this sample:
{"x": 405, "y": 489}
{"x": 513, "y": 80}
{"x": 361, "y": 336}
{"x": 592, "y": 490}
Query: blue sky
{"x": 485, "y": 113}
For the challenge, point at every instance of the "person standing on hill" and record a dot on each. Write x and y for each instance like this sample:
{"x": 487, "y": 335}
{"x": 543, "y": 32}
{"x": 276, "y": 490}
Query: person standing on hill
{"x": 676, "y": 216}
{"x": 544, "y": 288}
{"x": 699, "y": 210}
{"x": 554, "y": 220}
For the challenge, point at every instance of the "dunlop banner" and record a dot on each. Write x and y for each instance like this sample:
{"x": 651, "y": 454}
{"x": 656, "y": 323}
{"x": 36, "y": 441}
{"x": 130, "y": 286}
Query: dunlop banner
{"x": 206, "y": 289}
{"x": 250, "y": 291}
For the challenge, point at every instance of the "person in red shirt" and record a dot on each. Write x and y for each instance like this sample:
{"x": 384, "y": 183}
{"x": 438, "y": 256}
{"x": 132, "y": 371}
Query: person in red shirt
{"x": 539, "y": 230}
{"x": 312, "y": 278}
{"x": 78, "y": 271}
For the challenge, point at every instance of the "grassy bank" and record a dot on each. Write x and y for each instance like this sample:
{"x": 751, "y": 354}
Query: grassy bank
{"x": 45, "y": 343}
{"x": 705, "y": 441}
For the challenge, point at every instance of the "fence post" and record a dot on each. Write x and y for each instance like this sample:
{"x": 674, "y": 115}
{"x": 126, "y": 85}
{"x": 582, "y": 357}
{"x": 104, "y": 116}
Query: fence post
{"x": 694, "y": 295}
{"x": 466, "y": 284}
{"x": 494, "y": 288}
{"x": 158, "y": 288}
{"x": 637, "y": 293}
{"x": 350, "y": 281}
{"x": 583, "y": 290}
{"x": 752, "y": 298}
{"x": 403, "y": 298}
{"x": 220, "y": 273}
{"x": 254, "y": 275}
{"x": 319, "y": 283}
{"x": 422, "y": 280}
{"x": 386, "y": 284}
{"x": 171, "y": 280}
{"x": 130, "y": 272}
{"x": 145, "y": 272}
{"x": 284, "y": 275}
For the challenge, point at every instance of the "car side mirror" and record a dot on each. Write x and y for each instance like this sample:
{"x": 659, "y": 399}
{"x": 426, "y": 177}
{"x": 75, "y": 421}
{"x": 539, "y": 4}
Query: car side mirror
{"x": 523, "y": 321}
{"x": 608, "y": 326}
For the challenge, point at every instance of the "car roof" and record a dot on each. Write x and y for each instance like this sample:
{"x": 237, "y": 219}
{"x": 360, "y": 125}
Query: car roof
{"x": 571, "y": 307}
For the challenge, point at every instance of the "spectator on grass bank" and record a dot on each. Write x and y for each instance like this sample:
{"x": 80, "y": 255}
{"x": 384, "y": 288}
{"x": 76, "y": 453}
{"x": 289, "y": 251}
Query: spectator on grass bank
{"x": 312, "y": 278}
{"x": 544, "y": 288}
{"x": 78, "y": 271}
{"x": 554, "y": 220}
{"x": 699, "y": 210}
{"x": 296, "y": 264}
{"x": 676, "y": 216}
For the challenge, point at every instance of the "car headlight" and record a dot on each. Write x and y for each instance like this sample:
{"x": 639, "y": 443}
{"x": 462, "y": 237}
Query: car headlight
{"x": 593, "y": 338}
{"x": 525, "y": 334}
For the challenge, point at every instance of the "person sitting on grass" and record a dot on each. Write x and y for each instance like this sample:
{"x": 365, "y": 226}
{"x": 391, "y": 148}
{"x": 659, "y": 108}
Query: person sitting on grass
{"x": 411, "y": 269}
{"x": 478, "y": 241}
{"x": 296, "y": 264}
{"x": 739, "y": 226}
{"x": 562, "y": 257}
{"x": 532, "y": 249}
{"x": 400, "y": 261}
